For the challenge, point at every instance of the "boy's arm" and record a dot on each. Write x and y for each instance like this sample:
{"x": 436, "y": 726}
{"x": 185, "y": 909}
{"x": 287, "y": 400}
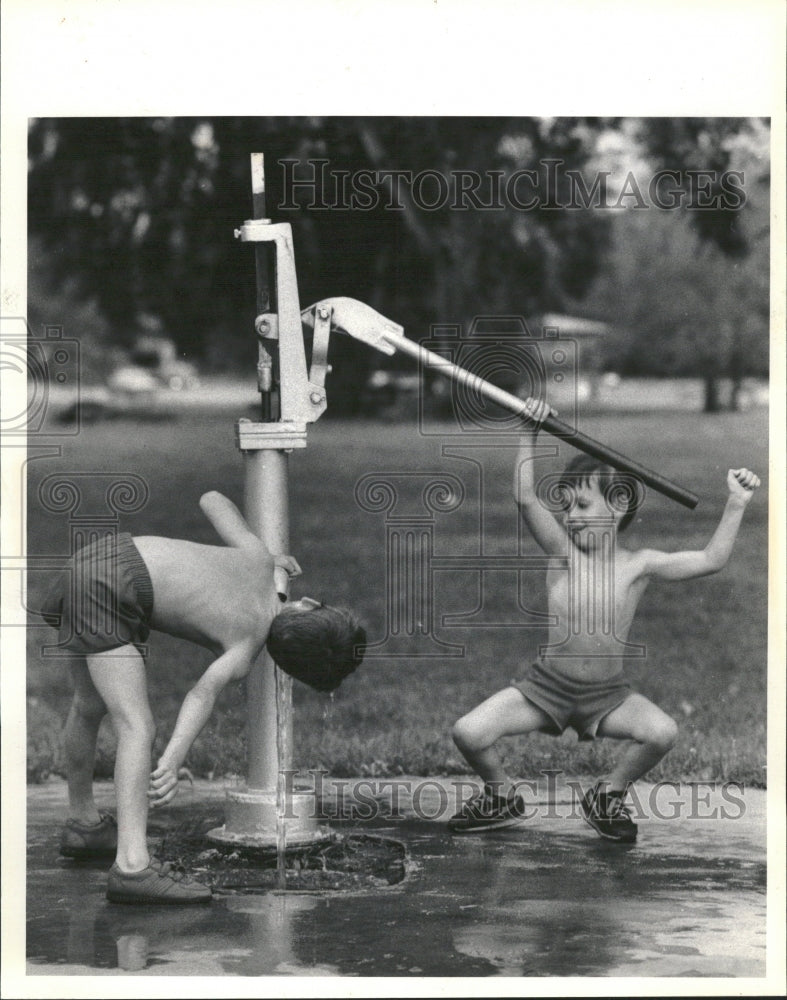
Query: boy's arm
{"x": 194, "y": 713}
{"x": 228, "y": 521}
{"x": 232, "y": 528}
{"x": 544, "y": 527}
{"x": 689, "y": 564}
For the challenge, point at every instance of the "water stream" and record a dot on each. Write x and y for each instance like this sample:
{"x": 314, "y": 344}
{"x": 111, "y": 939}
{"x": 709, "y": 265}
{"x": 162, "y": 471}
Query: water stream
{"x": 284, "y": 756}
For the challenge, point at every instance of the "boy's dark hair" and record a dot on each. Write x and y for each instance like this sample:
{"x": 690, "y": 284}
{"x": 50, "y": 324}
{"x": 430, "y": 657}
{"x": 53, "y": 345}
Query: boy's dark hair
{"x": 319, "y": 647}
{"x": 621, "y": 490}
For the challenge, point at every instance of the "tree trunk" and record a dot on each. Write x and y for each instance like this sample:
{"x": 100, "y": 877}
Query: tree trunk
{"x": 736, "y": 369}
{"x": 712, "y": 397}
{"x": 735, "y": 393}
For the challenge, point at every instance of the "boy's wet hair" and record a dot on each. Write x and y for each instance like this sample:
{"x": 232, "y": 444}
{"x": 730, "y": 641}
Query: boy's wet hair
{"x": 319, "y": 647}
{"x": 621, "y": 490}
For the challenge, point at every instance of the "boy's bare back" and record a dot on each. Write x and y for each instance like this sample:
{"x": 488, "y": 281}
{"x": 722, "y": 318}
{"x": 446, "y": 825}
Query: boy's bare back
{"x": 213, "y": 595}
{"x": 221, "y": 597}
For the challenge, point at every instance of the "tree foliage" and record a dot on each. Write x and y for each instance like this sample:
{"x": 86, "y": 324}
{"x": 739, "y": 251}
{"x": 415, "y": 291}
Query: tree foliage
{"x": 707, "y": 148}
{"x": 688, "y": 291}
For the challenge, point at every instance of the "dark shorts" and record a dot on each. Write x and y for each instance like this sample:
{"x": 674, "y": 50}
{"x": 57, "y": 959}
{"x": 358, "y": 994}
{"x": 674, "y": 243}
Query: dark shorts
{"x": 580, "y": 705}
{"x": 103, "y": 599}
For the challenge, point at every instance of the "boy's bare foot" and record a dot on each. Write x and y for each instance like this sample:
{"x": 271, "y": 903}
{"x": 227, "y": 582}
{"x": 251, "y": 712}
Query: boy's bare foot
{"x": 160, "y": 882}
{"x": 96, "y": 840}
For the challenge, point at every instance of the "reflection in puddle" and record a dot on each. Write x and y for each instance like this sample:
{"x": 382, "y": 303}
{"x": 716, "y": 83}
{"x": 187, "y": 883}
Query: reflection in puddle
{"x": 569, "y": 914}
{"x": 269, "y": 924}
{"x": 132, "y": 952}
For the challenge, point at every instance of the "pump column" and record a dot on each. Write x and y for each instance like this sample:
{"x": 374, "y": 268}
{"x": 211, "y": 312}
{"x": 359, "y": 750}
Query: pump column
{"x": 253, "y": 815}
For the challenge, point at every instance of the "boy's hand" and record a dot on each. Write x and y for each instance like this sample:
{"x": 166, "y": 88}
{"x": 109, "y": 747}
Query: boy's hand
{"x": 289, "y": 564}
{"x": 536, "y": 412}
{"x": 164, "y": 783}
{"x": 742, "y": 483}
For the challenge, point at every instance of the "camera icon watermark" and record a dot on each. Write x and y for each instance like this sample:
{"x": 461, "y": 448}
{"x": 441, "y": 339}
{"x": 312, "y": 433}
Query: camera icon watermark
{"x": 37, "y": 372}
{"x": 501, "y": 351}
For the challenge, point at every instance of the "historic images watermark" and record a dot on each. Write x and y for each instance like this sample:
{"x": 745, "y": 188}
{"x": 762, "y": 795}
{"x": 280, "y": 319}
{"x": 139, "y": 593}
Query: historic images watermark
{"x": 550, "y": 796}
{"x": 315, "y": 185}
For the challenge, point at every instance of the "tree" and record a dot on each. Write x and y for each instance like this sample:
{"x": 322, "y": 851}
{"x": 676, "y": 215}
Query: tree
{"x": 681, "y": 306}
{"x": 687, "y": 290}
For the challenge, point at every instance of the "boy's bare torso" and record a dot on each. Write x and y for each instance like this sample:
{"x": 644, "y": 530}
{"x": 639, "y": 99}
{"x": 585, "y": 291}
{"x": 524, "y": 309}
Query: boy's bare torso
{"x": 592, "y": 605}
{"x": 213, "y": 595}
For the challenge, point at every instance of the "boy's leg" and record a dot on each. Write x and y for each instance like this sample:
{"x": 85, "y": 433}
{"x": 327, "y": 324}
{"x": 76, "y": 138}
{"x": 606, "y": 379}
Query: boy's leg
{"x": 652, "y": 730}
{"x": 507, "y": 713}
{"x": 119, "y": 677}
{"x": 653, "y": 733}
{"x": 79, "y": 744}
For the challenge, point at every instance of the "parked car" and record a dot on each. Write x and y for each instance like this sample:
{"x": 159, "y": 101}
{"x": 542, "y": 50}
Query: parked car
{"x": 154, "y": 364}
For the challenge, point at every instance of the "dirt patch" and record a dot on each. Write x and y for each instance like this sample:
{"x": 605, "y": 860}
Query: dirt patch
{"x": 342, "y": 862}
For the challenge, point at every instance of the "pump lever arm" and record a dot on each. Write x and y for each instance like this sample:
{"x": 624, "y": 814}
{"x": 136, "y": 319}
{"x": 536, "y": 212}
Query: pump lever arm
{"x": 363, "y": 323}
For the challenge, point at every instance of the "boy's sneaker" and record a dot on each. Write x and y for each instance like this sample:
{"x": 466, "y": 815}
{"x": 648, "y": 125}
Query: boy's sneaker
{"x": 607, "y": 813}
{"x": 487, "y": 811}
{"x": 160, "y": 882}
{"x": 98, "y": 840}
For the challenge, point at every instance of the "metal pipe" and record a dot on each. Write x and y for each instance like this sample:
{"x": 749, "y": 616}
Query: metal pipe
{"x": 263, "y": 268}
{"x": 552, "y": 425}
{"x": 266, "y": 505}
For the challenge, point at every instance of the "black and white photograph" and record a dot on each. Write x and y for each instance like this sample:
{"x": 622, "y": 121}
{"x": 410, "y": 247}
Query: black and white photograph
{"x": 393, "y": 501}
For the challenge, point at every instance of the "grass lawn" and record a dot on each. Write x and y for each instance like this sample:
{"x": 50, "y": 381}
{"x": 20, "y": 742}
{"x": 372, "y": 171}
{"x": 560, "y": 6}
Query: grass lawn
{"x": 705, "y": 640}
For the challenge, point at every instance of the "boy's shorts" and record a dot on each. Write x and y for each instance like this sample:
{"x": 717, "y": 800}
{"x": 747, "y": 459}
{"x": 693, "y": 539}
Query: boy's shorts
{"x": 103, "y": 599}
{"x": 568, "y": 702}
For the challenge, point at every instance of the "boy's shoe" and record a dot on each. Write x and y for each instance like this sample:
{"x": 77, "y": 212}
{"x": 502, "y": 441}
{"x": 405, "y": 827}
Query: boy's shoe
{"x": 160, "y": 882}
{"x": 98, "y": 840}
{"x": 608, "y": 815}
{"x": 486, "y": 811}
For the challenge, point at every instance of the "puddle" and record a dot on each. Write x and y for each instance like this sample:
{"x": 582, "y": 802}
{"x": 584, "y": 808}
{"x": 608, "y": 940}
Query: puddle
{"x": 539, "y": 902}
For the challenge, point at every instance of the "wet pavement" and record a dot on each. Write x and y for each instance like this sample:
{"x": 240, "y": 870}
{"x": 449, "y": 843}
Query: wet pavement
{"x": 545, "y": 899}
